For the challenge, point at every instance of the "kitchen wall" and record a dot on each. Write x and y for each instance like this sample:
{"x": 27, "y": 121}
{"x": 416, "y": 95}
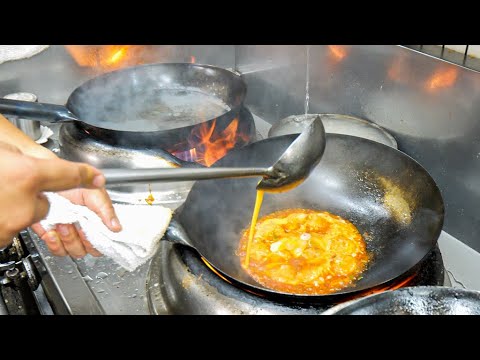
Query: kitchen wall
{"x": 473, "y": 50}
{"x": 432, "y": 107}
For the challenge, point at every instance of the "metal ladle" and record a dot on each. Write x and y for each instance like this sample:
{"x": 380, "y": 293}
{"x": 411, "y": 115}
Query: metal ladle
{"x": 290, "y": 170}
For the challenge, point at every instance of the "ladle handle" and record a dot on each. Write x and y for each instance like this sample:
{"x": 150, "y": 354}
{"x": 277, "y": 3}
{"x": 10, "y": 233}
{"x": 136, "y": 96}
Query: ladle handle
{"x": 36, "y": 111}
{"x": 127, "y": 176}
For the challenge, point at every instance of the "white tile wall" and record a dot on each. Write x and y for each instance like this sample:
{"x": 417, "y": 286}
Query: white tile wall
{"x": 473, "y": 50}
{"x": 459, "y": 48}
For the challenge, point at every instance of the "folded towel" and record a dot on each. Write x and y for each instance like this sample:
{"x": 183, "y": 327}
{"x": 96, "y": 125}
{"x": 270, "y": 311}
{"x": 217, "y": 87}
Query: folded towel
{"x": 17, "y": 52}
{"x": 143, "y": 227}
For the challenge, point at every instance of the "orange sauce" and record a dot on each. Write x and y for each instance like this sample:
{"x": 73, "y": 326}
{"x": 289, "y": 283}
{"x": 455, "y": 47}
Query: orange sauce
{"x": 256, "y": 211}
{"x": 302, "y": 251}
{"x": 150, "y": 199}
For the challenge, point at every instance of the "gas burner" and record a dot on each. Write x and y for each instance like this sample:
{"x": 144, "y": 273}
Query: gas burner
{"x": 19, "y": 279}
{"x": 179, "y": 282}
{"x": 77, "y": 145}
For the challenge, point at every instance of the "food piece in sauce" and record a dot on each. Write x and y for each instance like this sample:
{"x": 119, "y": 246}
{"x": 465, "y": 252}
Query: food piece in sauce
{"x": 304, "y": 251}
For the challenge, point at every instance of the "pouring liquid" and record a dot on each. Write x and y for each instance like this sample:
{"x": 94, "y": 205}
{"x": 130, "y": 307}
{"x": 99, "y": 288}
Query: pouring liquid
{"x": 251, "y": 234}
{"x": 256, "y": 211}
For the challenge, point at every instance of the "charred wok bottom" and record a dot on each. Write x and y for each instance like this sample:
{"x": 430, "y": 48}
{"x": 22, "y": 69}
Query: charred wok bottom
{"x": 190, "y": 286}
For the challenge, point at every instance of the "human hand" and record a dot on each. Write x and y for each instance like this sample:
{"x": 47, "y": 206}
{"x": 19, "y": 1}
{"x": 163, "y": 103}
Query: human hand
{"x": 67, "y": 239}
{"x": 25, "y": 178}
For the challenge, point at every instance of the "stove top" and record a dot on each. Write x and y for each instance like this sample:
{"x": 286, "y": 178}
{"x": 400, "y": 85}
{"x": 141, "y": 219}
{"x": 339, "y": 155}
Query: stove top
{"x": 179, "y": 282}
{"x": 99, "y": 286}
{"x": 77, "y": 144}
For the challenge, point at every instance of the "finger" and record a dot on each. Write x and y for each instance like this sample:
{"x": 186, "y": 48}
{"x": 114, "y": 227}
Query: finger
{"x": 90, "y": 249}
{"x": 87, "y": 244}
{"x": 39, "y": 230}
{"x": 59, "y": 174}
{"x": 54, "y": 243}
{"x": 99, "y": 202}
{"x": 41, "y": 209}
{"x": 71, "y": 240}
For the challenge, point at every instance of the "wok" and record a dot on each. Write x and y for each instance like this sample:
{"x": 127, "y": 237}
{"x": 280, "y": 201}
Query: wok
{"x": 417, "y": 300}
{"x": 347, "y": 182}
{"x": 146, "y": 105}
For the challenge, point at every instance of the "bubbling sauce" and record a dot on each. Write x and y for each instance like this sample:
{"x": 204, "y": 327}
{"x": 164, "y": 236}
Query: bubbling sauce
{"x": 302, "y": 251}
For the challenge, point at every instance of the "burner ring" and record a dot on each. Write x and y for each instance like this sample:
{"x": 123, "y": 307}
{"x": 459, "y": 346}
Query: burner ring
{"x": 179, "y": 282}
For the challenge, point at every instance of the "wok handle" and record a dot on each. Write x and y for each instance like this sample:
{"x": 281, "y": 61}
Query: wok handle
{"x": 176, "y": 234}
{"x": 127, "y": 176}
{"x": 36, "y": 111}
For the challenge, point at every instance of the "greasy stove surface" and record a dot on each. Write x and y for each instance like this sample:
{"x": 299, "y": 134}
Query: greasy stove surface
{"x": 99, "y": 286}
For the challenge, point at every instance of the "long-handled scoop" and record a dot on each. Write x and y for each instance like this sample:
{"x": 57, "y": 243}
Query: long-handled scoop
{"x": 291, "y": 169}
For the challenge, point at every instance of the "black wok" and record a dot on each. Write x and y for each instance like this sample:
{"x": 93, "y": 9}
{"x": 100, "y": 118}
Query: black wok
{"x": 345, "y": 182}
{"x": 417, "y": 300}
{"x": 147, "y": 105}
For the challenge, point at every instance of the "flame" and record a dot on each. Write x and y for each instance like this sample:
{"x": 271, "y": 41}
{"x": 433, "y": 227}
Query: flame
{"x": 215, "y": 271}
{"x": 192, "y": 59}
{"x": 394, "y": 286}
{"x": 338, "y": 52}
{"x": 215, "y": 149}
{"x": 207, "y": 146}
{"x": 225, "y": 279}
{"x": 117, "y": 56}
{"x": 441, "y": 78}
{"x": 107, "y": 57}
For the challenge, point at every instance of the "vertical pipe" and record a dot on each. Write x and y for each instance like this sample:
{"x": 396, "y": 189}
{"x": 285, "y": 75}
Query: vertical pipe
{"x": 465, "y": 55}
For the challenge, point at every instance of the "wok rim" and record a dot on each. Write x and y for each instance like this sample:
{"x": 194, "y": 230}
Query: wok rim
{"x": 444, "y": 291}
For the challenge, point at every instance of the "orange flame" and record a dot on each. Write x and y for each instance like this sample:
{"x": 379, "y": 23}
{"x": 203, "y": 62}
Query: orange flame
{"x": 215, "y": 271}
{"x": 338, "y": 52}
{"x": 441, "y": 78}
{"x": 108, "y": 57}
{"x": 214, "y": 149}
{"x": 207, "y": 145}
{"x": 394, "y": 286}
{"x": 225, "y": 279}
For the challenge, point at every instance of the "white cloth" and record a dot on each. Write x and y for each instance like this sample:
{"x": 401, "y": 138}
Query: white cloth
{"x": 17, "y": 52}
{"x": 142, "y": 228}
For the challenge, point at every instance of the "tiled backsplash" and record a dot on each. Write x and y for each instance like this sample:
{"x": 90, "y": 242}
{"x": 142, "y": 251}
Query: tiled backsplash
{"x": 473, "y": 50}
